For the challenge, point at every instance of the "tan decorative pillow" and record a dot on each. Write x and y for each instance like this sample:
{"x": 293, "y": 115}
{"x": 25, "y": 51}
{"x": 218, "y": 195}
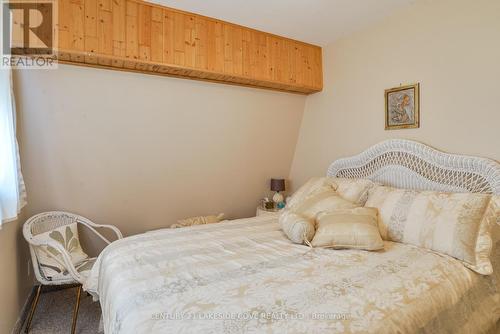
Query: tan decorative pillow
{"x": 456, "y": 224}
{"x": 51, "y": 260}
{"x": 354, "y": 190}
{"x": 314, "y": 185}
{"x": 348, "y": 228}
{"x": 298, "y": 221}
{"x": 326, "y": 200}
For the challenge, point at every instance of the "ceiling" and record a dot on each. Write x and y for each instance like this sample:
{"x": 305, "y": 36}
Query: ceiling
{"x": 318, "y": 22}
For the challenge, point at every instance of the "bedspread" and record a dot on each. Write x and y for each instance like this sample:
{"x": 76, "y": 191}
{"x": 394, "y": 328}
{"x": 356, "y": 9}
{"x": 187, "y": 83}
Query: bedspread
{"x": 245, "y": 276}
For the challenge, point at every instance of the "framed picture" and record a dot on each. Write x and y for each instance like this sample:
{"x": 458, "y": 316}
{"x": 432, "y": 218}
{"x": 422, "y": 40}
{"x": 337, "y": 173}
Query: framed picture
{"x": 402, "y": 107}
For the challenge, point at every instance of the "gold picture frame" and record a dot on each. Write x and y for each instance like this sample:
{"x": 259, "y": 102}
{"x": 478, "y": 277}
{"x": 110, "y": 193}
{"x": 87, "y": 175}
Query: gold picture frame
{"x": 402, "y": 107}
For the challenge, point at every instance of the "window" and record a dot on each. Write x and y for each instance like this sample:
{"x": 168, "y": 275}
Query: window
{"x": 12, "y": 191}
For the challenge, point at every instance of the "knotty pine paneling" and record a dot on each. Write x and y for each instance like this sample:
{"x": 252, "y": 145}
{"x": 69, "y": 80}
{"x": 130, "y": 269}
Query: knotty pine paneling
{"x": 138, "y": 36}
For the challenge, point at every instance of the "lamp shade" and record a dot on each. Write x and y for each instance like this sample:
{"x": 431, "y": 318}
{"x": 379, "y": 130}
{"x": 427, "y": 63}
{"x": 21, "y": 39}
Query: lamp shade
{"x": 277, "y": 184}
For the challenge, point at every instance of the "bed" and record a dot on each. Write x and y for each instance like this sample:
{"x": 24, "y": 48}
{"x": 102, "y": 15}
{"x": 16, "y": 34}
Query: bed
{"x": 245, "y": 276}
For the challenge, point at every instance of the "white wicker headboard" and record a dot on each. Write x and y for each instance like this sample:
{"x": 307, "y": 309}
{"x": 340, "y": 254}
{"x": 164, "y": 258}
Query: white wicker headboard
{"x": 408, "y": 164}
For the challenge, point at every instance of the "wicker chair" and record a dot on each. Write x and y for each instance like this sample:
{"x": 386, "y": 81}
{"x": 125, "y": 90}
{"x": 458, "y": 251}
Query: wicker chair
{"x": 46, "y": 222}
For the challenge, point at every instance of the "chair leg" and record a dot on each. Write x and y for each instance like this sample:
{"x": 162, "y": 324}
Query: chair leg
{"x": 77, "y": 307}
{"x": 33, "y": 308}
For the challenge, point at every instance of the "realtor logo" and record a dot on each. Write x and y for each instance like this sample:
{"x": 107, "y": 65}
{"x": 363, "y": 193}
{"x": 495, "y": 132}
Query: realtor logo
{"x": 28, "y": 33}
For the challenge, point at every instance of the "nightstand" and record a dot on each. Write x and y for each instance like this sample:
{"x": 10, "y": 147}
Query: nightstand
{"x": 264, "y": 212}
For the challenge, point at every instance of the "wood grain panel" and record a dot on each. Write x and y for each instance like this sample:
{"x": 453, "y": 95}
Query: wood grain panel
{"x": 131, "y": 31}
{"x": 200, "y": 39}
{"x": 138, "y": 36}
{"x": 215, "y": 50}
{"x": 189, "y": 41}
{"x": 105, "y": 30}
{"x": 168, "y": 37}
{"x": 156, "y": 34}
{"x": 119, "y": 28}
{"x": 76, "y": 26}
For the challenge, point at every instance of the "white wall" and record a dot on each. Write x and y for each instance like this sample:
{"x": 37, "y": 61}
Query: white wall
{"x": 450, "y": 46}
{"x": 142, "y": 151}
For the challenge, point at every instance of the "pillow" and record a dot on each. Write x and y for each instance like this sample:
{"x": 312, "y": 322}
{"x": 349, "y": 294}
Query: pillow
{"x": 298, "y": 221}
{"x": 325, "y": 200}
{"x": 456, "y": 224}
{"x": 297, "y": 228}
{"x": 348, "y": 228}
{"x": 312, "y": 186}
{"x": 354, "y": 190}
{"x": 51, "y": 260}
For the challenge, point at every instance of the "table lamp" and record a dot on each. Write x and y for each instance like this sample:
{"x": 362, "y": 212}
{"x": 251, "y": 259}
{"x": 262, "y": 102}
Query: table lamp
{"x": 278, "y": 185}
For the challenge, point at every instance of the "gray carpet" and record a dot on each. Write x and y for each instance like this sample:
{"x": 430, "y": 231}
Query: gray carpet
{"x": 55, "y": 310}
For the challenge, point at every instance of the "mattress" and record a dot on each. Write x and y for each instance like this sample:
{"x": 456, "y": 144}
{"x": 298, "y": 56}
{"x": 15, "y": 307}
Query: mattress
{"x": 245, "y": 276}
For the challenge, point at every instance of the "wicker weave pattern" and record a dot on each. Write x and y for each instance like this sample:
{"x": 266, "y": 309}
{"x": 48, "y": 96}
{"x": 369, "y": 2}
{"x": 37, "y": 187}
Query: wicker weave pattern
{"x": 51, "y": 221}
{"x": 408, "y": 164}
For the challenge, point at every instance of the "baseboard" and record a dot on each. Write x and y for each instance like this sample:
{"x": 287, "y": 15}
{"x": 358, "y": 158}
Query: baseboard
{"x": 24, "y": 312}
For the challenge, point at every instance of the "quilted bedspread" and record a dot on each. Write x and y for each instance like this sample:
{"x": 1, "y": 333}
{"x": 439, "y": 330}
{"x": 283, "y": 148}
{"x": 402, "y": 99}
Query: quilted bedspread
{"x": 245, "y": 276}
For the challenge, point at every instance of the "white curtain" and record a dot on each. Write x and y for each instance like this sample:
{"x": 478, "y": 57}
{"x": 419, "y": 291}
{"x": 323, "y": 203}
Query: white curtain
{"x": 12, "y": 190}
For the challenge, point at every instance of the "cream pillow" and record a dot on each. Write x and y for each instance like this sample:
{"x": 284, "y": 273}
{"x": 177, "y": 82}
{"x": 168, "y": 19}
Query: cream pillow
{"x": 326, "y": 200}
{"x": 311, "y": 187}
{"x": 298, "y": 221}
{"x": 51, "y": 260}
{"x": 297, "y": 228}
{"x": 348, "y": 228}
{"x": 354, "y": 190}
{"x": 456, "y": 224}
